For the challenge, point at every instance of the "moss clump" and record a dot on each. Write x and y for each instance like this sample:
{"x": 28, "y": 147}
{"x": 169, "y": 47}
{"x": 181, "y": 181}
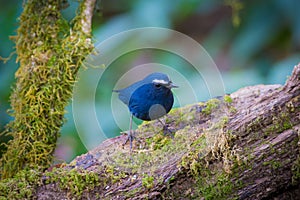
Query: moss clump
{"x": 158, "y": 141}
{"x": 273, "y": 164}
{"x": 75, "y": 181}
{"x": 113, "y": 174}
{"x": 147, "y": 181}
{"x": 279, "y": 124}
{"x": 50, "y": 56}
{"x": 156, "y": 150}
{"x": 227, "y": 99}
{"x": 188, "y": 115}
{"x": 212, "y": 147}
{"x": 296, "y": 172}
{"x": 211, "y": 105}
{"x": 219, "y": 189}
{"x": 22, "y": 186}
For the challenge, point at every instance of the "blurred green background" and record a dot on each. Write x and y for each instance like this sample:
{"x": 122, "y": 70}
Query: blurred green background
{"x": 252, "y": 42}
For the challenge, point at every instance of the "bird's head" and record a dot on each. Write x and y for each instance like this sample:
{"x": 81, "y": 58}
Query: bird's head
{"x": 160, "y": 79}
{"x": 160, "y": 82}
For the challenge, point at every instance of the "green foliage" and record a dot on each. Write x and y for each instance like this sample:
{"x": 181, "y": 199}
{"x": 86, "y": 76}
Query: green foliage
{"x": 50, "y": 56}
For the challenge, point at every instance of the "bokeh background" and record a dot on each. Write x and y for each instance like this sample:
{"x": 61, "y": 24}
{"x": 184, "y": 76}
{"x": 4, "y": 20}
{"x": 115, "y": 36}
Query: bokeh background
{"x": 251, "y": 42}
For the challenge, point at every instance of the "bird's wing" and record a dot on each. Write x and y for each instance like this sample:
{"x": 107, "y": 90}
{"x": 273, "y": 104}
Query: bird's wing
{"x": 125, "y": 94}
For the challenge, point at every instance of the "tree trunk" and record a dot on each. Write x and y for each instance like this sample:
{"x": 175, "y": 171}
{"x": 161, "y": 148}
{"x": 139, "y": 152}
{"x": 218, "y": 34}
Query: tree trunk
{"x": 243, "y": 146}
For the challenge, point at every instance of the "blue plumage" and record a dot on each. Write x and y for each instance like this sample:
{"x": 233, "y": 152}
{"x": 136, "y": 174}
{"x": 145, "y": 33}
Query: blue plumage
{"x": 151, "y": 101}
{"x": 148, "y": 99}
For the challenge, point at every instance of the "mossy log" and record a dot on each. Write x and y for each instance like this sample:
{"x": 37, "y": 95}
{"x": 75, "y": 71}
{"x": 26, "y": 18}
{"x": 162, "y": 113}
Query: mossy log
{"x": 241, "y": 146}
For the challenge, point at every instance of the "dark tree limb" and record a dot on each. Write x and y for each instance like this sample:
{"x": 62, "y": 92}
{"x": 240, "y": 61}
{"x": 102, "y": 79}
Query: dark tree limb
{"x": 245, "y": 146}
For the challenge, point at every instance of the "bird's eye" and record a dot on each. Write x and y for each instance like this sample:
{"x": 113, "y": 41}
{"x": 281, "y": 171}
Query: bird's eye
{"x": 157, "y": 85}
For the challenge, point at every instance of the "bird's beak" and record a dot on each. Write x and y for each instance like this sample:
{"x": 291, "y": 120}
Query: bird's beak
{"x": 171, "y": 85}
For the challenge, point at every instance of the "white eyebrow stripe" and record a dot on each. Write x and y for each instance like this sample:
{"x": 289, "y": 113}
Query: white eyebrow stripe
{"x": 160, "y": 81}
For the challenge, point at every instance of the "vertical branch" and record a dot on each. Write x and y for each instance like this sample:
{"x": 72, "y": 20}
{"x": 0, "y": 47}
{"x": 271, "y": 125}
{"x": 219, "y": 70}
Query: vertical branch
{"x": 87, "y": 15}
{"x": 50, "y": 53}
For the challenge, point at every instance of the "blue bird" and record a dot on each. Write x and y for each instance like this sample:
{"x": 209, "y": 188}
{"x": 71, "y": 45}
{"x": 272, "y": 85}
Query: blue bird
{"x": 148, "y": 99}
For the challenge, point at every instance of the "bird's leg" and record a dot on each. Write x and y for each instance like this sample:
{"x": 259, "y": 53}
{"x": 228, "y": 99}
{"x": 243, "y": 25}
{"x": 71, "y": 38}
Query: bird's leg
{"x": 130, "y": 135}
{"x": 163, "y": 124}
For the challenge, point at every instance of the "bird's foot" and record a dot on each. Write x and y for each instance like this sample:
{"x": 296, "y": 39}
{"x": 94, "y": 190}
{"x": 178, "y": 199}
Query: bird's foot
{"x": 129, "y": 138}
{"x": 168, "y": 131}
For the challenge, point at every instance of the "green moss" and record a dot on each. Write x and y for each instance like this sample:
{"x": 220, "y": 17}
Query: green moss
{"x": 188, "y": 115}
{"x": 149, "y": 127}
{"x": 24, "y": 184}
{"x": 21, "y": 186}
{"x": 232, "y": 109}
{"x": 147, "y": 181}
{"x": 191, "y": 160}
{"x": 296, "y": 172}
{"x": 196, "y": 146}
{"x": 273, "y": 164}
{"x": 227, "y": 99}
{"x": 211, "y": 105}
{"x": 220, "y": 189}
{"x": 113, "y": 174}
{"x": 212, "y": 182}
{"x": 228, "y": 102}
{"x": 132, "y": 193}
{"x": 152, "y": 150}
{"x": 159, "y": 141}
{"x": 75, "y": 181}
{"x": 50, "y": 56}
{"x": 279, "y": 124}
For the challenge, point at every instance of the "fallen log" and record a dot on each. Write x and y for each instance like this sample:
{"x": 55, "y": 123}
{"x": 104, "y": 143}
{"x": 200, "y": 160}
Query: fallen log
{"x": 242, "y": 146}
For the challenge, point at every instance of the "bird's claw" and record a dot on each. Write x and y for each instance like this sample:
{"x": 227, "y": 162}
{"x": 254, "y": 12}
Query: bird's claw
{"x": 168, "y": 131}
{"x": 129, "y": 138}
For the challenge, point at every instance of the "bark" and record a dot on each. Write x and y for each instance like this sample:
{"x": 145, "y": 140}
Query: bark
{"x": 256, "y": 149}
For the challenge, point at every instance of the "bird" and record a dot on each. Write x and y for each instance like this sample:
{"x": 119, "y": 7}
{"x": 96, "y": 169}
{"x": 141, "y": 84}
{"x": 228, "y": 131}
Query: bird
{"x": 148, "y": 99}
